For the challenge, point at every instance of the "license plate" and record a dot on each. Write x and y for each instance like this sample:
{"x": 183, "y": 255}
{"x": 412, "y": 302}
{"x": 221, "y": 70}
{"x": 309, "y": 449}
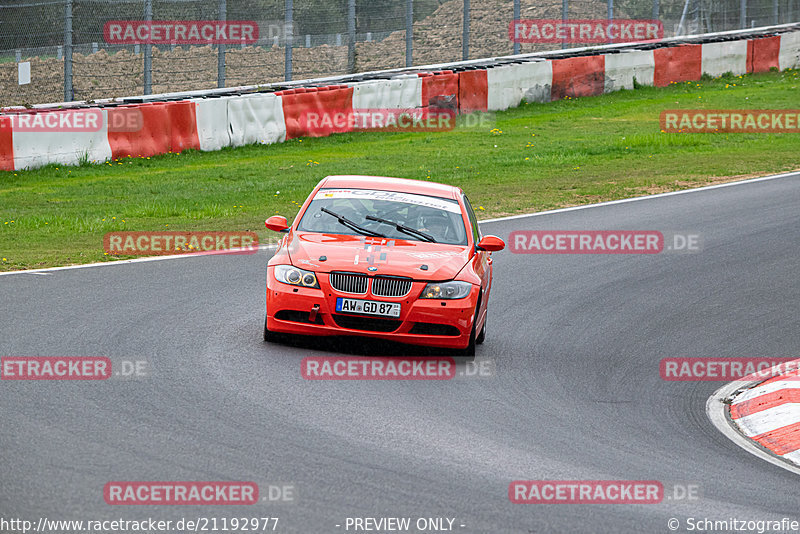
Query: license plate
{"x": 368, "y": 307}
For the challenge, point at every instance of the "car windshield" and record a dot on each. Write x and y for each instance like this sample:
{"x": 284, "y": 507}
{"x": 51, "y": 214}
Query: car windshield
{"x": 385, "y": 213}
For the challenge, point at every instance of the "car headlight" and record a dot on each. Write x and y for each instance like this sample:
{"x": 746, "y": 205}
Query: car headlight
{"x": 446, "y": 290}
{"x": 289, "y": 274}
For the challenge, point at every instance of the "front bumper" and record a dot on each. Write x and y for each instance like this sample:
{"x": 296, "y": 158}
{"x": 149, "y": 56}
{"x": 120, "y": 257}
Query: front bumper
{"x": 430, "y": 322}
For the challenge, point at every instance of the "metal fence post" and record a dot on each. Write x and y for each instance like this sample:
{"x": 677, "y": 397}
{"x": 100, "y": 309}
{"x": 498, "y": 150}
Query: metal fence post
{"x": 148, "y": 51}
{"x": 465, "y": 33}
{"x": 409, "y": 33}
{"x": 656, "y": 10}
{"x": 68, "y": 90}
{"x": 610, "y": 15}
{"x": 775, "y": 11}
{"x": 516, "y": 18}
{"x": 351, "y": 36}
{"x": 289, "y": 25}
{"x": 564, "y": 17}
{"x": 223, "y": 16}
{"x": 742, "y": 14}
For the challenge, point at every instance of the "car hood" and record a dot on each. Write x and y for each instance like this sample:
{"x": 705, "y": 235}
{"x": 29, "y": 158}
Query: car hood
{"x": 376, "y": 256}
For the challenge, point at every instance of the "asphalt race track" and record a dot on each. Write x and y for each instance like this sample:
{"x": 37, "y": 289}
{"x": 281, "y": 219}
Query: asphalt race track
{"x": 575, "y": 341}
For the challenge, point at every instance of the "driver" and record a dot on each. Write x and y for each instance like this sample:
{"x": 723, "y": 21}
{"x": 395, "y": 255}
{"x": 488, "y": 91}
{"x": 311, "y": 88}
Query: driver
{"x": 436, "y": 224}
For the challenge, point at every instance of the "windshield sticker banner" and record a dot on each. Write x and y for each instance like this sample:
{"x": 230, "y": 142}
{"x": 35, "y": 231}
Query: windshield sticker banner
{"x": 391, "y": 196}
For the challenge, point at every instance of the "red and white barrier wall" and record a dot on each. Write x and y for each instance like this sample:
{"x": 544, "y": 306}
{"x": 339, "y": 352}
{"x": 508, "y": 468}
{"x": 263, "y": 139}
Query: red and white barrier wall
{"x": 210, "y": 123}
{"x": 763, "y": 54}
{"x": 159, "y": 127}
{"x": 38, "y": 148}
{"x": 725, "y": 56}
{"x": 400, "y": 92}
{"x": 789, "y": 53}
{"x": 509, "y": 85}
{"x": 240, "y": 120}
{"x": 6, "y": 144}
{"x": 473, "y": 91}
{"x": 622, "y": 69}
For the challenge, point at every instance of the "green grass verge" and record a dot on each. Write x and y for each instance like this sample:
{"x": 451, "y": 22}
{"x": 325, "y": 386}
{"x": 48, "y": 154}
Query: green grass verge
{"x": 533, "y": 158}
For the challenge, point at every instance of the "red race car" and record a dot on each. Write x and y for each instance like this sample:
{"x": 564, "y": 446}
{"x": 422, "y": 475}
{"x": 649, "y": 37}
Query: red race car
{"x": 390, "y": 258}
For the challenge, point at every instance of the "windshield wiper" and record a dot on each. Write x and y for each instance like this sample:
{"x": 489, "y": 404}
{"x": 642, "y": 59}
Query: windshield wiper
{"x": 403, "y": 228}
{"x": 350, "y": 224}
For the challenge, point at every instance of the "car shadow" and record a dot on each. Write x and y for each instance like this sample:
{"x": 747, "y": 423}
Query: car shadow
{"x": 365, "y": 346}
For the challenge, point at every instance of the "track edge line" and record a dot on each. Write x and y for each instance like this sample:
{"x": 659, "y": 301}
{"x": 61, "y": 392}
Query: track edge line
{"x": 486, "y": 221}
{"x": 644, "y": 197}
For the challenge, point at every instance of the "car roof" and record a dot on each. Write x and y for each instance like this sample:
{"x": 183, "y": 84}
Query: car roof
{"x": 400, "y": 185}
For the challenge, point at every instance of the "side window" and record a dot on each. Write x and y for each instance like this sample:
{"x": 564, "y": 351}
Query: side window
{"x": 473, "y": 221}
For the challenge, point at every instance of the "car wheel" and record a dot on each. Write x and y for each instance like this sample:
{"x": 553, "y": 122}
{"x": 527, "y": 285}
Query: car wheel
{"x": 470, "y": 350}
{"x": 268, "y": 335}
{"x": 482, "y": 336}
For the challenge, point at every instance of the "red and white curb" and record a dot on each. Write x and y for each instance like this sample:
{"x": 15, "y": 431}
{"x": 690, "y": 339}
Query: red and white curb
{"x": 762, "y": 416}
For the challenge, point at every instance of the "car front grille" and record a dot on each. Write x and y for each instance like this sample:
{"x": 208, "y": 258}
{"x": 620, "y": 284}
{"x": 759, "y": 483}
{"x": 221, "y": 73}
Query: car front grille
{"x": 349, "y": 283}
{"x": 391, "y": 287}
{"x": 382, "y": 286}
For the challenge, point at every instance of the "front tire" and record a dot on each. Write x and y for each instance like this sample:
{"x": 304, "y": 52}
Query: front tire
{"x": 473, "y": 339}
{"x": 269, "y": 335}
{"x": 470, "y": 350}
{"x": 482, "y": 336}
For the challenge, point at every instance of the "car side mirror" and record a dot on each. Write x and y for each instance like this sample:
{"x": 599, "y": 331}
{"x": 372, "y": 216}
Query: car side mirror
{"x": 491, "y": 243}
{"x": 277, "y": 223}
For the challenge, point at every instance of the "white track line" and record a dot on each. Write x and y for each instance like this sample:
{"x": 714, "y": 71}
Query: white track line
{"x": 48, "y": 270}
{"x": 646, "y": 197}
{"x": 486, "y": 221}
